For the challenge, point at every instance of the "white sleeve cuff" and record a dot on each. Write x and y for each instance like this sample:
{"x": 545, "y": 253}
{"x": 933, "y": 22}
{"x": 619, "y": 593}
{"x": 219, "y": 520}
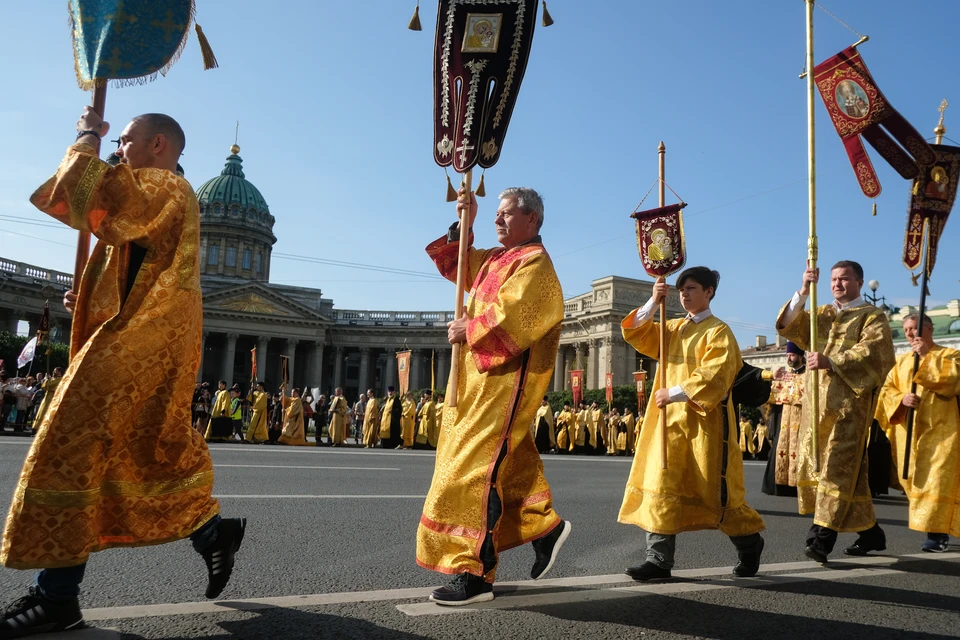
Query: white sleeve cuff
{"x": 677, "y": 394}
{"x": 643, "y": 315}
{"x": 794, "y": 307}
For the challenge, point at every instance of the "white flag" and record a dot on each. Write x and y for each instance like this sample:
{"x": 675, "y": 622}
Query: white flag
{"x": 28, "y": 352}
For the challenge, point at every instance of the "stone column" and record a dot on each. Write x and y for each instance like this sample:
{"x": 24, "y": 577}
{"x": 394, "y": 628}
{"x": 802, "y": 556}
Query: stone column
{"x": 263, "y": 343}
{"x": 203, "y": 347}
{"x": 558, "y": 370}
{"x": 338, "y": 368}
{"x": 318, "y": 365}
{"x": 415, "y": 367}
{"x": 222, "y": 256}
{"x": 364, "y": 380}
{"x": 291, "y": 353}
{"x": 594, "y": 376}
{"x": 391, "y": 369}
{"x": 579, "y": 361}
{"x": 443, "y": 367}
{"x": 226, "y": 372}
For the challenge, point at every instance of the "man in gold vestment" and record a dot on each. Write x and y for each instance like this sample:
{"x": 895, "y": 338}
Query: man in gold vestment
{"x": 630, "y": 422}
{"x": 702, "y": 486}
{"x": 116, "y": 461}
{"x": 488, "y": 492}
{"x": 785, "y": 405}
{"x": 220, "y": 427}
{"x": 595, "y": 424}
{"x": 257, "y": 431}
{"x": 933, "y": 478}
{"x": 338, "y": 417}
{"x": 293, "y": 432}
{"x": 543, "y": 434}
{"x": 853, "y": 357}
{"x": 566, "y": 423}
{"x": 391, "y": 417}
{"x": 427, "y": 426}
{"x": 613, "y": 426}
{"x": 408, "y": 421}
{"x": 371, "y": 421}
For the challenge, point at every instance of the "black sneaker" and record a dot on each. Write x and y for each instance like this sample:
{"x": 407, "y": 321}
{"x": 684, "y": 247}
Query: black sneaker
{"x": 749, "y": 561}
{"x": 465, "y": 588}
{"x": 219, "y": 558}
{"x": 547, "y": 549}
{"x": 648, "y": 571}
{"x": 35, "y": 613}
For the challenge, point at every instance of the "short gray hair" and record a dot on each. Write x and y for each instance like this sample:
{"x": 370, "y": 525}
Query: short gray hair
{"x": 528, "y": 200}
{"x": 915, "y": 318}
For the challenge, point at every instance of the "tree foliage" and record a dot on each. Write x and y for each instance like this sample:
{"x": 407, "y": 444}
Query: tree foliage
{"x": 11, "y": 345}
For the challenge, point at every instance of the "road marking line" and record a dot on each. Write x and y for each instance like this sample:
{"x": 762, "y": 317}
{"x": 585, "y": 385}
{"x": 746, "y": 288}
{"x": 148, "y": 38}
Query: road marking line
{"x": 523, "y": 587}
{"x": 311, "y": 449}
{"x": 284, "y": 466}
{"x": 315, "y": 497}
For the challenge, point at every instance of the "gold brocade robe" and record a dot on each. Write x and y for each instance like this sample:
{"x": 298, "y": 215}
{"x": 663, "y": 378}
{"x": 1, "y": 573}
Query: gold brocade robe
{"x": 580, "y": 428}
{"x": 933, "y": 482}
{"x": 386, "y": 417}
{"x": 407, "y": 423}
{"x": 434, "y": 437}
{"x": 427, "y": 429}
{"x": 613, "y": 423}
{"x": 630, "y": 423}
{"x": 747, "y": 445}
{"x": 702, "y": 487}
{"x": 514, "y": 309}
{"x": 338, "y": 420}
{"x": 116, "y": 461}
{"x": 565, "y": 427}
{"x": 257, "y": 431}
{"x": 371, "y": 420}
{"x": 858, "y": 343}
{"x": 50, "y": 388}
{"x": 788, "y": 393}
{"x": 293, "y": 432}
{"x": 220, "y": 409}
{"x": 546, "y": 413}
{"x": 595, "y": 422}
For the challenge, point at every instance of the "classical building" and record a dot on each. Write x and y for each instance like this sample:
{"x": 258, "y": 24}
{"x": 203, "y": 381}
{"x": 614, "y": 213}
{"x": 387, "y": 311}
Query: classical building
{"x": 327, "y": 347}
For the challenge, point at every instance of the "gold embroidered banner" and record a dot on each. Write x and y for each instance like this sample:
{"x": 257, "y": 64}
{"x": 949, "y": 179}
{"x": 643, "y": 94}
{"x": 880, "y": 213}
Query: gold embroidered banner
{"x": 403, "y": 369}
{"x": 576, "y": 383}
{"x": 609, "y": 385}
{"x": 931, "y": 201}
{"x": 640, "y": 378}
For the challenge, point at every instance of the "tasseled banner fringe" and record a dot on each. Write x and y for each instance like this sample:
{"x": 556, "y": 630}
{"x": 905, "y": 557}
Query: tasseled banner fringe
{"x": 209, "y": 60}
{"x": 481, "y": 191}
{"x": 451, "y": 192}
{"x": 414, "y": 24}
{"x": 547, "y": 20}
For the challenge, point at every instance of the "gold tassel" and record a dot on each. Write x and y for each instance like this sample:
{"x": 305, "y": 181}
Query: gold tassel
{"x": 914, "y": 278}
{"x": 480, "y": 192}
{"x": 209, "y": 60}
{"x": 547, "y": 20}
{"x": 451, "y": 192}
{"x": 415, "y": 20}
{"x": 874, "y": 209}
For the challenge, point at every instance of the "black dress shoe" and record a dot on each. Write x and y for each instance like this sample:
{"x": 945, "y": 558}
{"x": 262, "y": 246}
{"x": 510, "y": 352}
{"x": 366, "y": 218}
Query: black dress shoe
{"x": 816, "y": 553}
{"x": 648, "y": 571}
{"x": 862, "y": 548}
{"x": 749, "y": 561}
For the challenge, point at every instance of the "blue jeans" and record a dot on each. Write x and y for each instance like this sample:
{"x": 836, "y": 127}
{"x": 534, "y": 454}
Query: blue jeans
{"x": 63, "y": 583}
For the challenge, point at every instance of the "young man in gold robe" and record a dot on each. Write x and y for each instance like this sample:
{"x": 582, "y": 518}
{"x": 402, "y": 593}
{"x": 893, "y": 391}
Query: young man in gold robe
{"x": 220, "y": 427}
{"x": 489, "y": 493}
{"x": 543, "y": 428}
{"x": 853, "y": 356}
{"x": 119, "y": 425}
{"x": 702, "y": 487}
{"x": 630, "y": 423}
{"x": 338, "y": 417}
{"x": 580, "y": 429}
{"x": 427, "y": 425}
{"x": 933, "y": 478}
{"x": 257, "y": 432}
{"x": 566, "y": 423}
{"x": 408, "y": 421}
{"x": 595, "y": 425}
{"x": 391, "y": 415}
{"x": 293, "y": 432}
{"x": 613, "y": 425}
{"x": 371, "y": 421}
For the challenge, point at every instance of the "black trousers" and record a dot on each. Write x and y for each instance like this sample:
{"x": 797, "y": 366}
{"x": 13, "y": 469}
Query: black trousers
{"x": 827, "y": 537}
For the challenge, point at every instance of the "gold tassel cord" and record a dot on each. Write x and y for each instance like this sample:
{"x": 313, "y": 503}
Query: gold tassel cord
{"x": 209, "y": 60}
{"x": 481, "y": 191}
{"x": 874, "y": 209}
{"x": 414, "y": 24}
{"x": 547, "y": 19}
{"x": 451, "y": 192}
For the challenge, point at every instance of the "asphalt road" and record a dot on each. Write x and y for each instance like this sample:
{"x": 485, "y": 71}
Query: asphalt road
{"x": 330, "y": 544}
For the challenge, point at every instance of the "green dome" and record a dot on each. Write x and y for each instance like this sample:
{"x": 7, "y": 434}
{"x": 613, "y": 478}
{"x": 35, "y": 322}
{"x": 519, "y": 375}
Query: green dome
{"x": 232, "y": 191}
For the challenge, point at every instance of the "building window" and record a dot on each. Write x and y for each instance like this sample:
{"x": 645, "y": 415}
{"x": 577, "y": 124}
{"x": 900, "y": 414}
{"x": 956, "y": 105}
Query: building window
{"x": 247, "y": 254}
{"x": 259, "y": 265}
{"x": 213, "y": 254}
{"x": 231, "y": 256}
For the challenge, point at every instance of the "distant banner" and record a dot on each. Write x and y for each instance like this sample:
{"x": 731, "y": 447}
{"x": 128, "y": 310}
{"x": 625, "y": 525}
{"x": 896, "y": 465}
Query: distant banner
{"x": 403, "y": 368}
{"x": 640, "y": 377}
{"x": 609, "y": 388}
{"x": 284, "y": 371}
{"x": 253, "y": 364}
{"x": 28, "y": 352}
{"x": 576, "y": 382}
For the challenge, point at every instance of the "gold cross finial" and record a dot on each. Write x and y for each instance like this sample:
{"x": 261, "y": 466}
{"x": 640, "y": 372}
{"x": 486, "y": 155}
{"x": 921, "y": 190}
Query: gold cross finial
{"x": 939, "y": 130}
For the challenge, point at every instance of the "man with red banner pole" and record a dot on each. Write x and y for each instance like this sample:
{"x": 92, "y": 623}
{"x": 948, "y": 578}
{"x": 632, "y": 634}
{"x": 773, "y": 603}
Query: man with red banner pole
{"x": 116, "y": 461}
{"x": 489, "y": 493}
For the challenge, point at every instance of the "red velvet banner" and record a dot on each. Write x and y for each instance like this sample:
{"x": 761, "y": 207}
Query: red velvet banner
{"x": 576, "y": 383}
{"x": 403, "y": 369}
{"x": 857, "y": 107}
{"x": 609, "y": 385}
{"x": 931, "y": 201}
{"x": 660, "y": 239}
{"x": 253, "y": 365}
{"x": 640, "y": 377}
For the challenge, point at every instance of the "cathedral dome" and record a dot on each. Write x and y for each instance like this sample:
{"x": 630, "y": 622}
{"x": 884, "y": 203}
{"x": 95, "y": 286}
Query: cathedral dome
{"x": 231, "y": 198}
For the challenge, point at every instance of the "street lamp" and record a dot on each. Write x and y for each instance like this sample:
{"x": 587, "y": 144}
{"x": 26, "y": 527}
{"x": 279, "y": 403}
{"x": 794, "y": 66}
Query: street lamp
{"x": 874, "y": 299}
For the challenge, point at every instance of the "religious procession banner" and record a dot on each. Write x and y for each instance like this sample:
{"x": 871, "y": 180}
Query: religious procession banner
{"x": 284, "y": 371}
{"x": 640, "y": 378}
{"x": 609, "y": 388}
{"x": 931, "y": 201}
{"x": 858, "y": 108}
{"x": 403, "y": 370}
{"x": 660, "y": 239}
{"x": 253, "y": 364}
{"x": 481, "y": 53}
{"x": 576, "y": 383}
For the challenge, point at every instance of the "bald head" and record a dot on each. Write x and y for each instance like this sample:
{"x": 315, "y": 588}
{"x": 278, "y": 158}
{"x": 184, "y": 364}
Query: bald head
{"x": 152, "y": 140}
{"x": 161, "y": 124}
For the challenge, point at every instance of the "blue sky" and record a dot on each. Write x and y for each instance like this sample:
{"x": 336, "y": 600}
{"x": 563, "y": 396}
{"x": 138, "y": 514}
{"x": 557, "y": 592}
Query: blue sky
{"x": 335, "y": 103}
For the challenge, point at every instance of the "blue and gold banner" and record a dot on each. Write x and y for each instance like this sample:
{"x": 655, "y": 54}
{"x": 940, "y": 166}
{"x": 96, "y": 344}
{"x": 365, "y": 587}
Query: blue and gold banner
{"x": 129, "y": 41}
